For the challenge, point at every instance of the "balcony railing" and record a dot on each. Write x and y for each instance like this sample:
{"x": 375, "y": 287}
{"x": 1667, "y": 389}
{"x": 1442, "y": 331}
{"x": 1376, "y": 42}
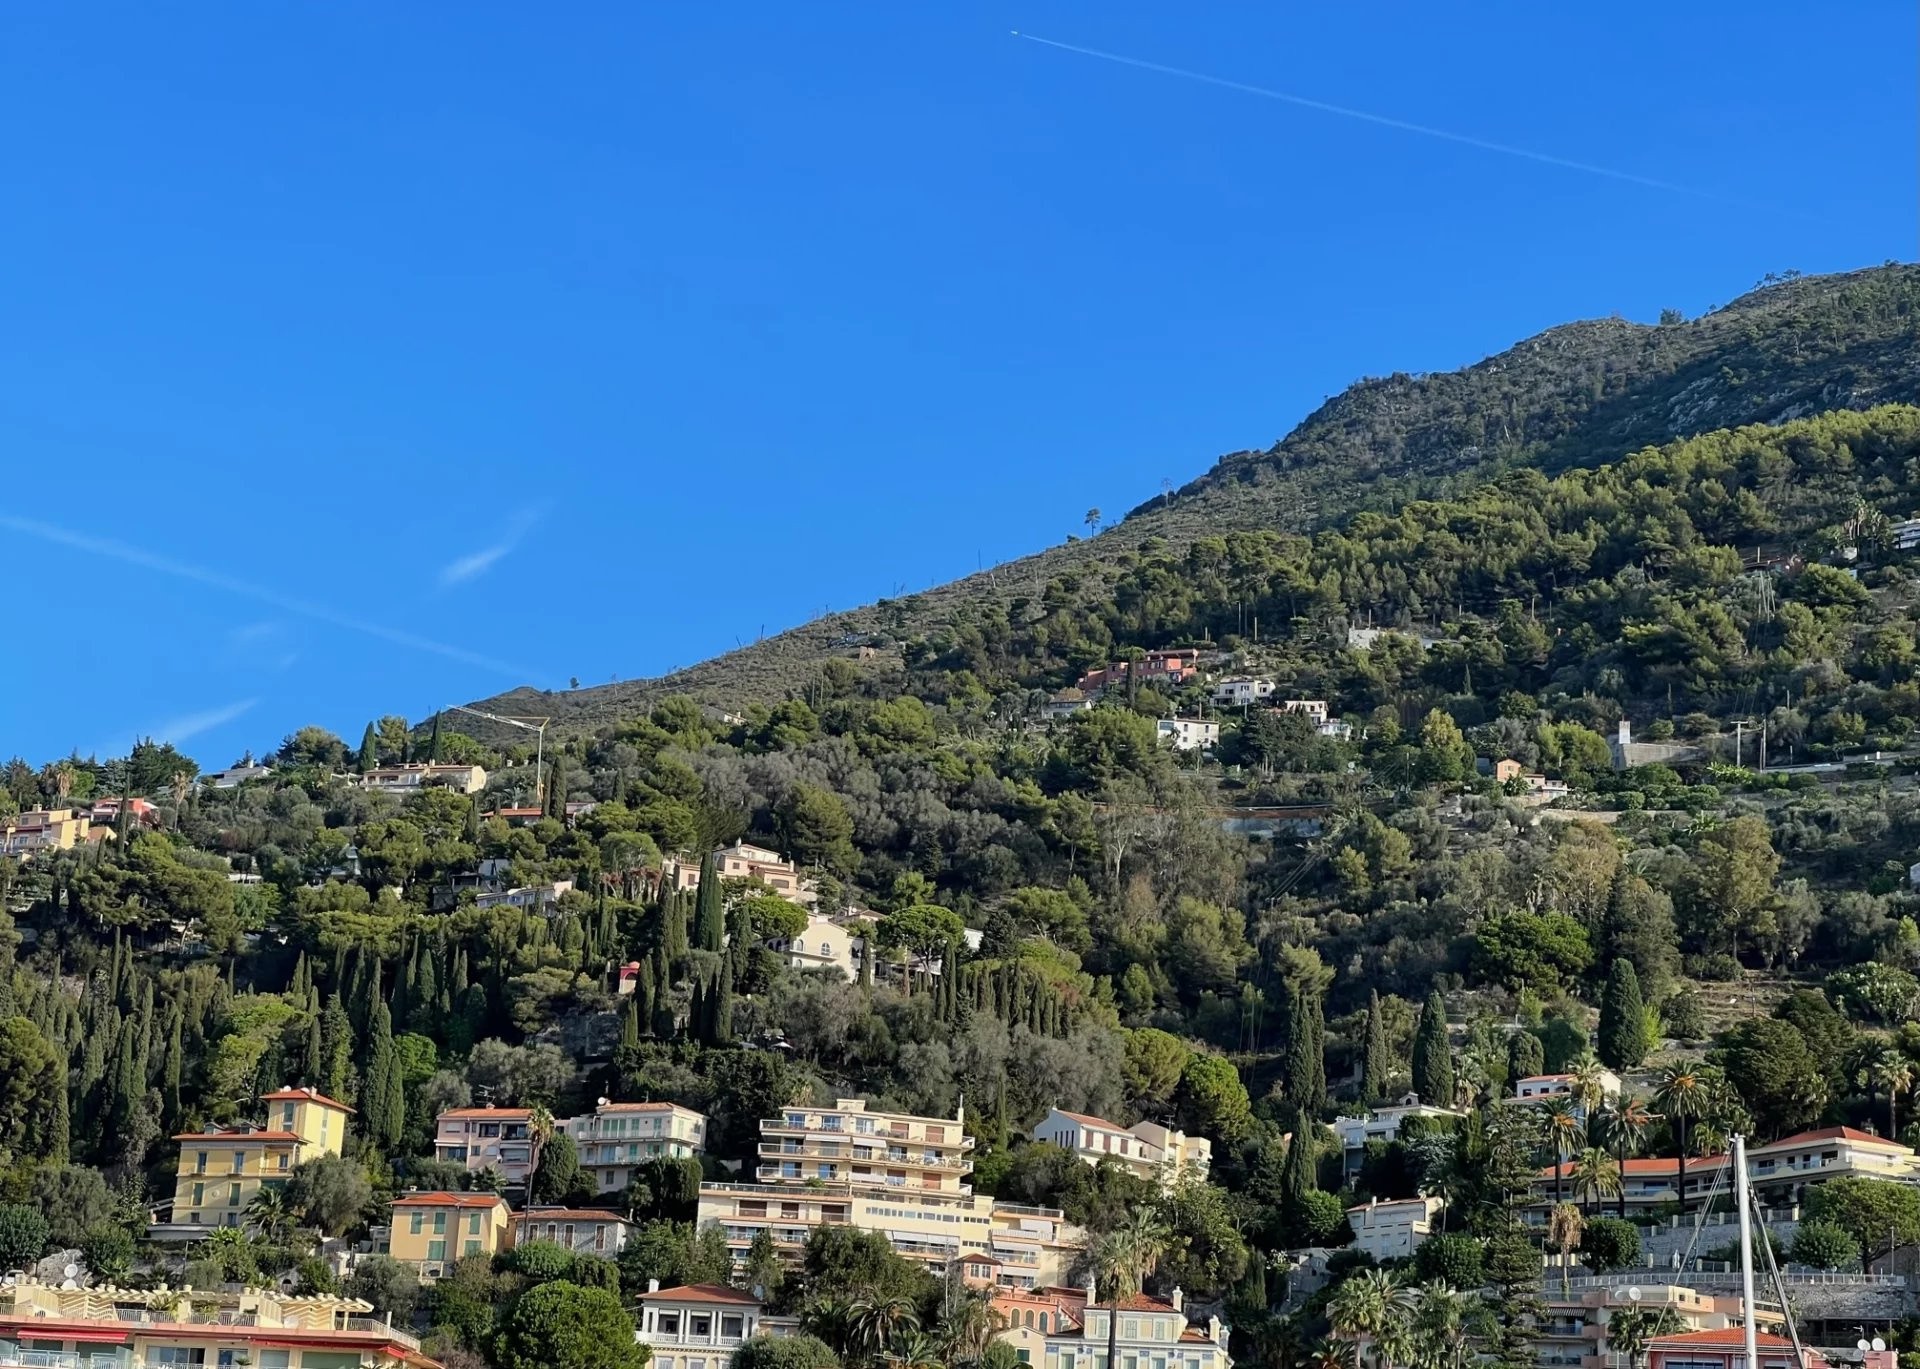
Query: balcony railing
{"x": 680, "y": 1340}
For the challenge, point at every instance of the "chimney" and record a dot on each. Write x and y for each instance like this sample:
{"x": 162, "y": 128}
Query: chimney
{"x": 1179, "y": 1299}
{"x": 653, "y": 1285}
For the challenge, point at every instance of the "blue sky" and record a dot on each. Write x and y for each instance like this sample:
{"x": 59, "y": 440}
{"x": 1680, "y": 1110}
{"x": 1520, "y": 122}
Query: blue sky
{"x": 404, "y": 353}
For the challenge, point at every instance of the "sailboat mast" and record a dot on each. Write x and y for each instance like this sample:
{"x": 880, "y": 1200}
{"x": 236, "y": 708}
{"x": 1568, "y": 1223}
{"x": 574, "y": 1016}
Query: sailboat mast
{"x": 1743, "y": 1203}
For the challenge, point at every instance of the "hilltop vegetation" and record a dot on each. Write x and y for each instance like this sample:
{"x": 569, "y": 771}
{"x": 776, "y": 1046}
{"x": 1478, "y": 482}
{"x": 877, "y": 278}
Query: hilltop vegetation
{"x": 1574, "y": 395}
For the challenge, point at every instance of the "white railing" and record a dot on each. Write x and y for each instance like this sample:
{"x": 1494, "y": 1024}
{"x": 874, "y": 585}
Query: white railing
{"x": 677, "y": 1340}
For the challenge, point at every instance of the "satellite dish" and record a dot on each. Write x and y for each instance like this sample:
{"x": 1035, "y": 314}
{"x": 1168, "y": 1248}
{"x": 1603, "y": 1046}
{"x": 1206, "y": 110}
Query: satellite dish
{"x": 71, "y": 1270}
{"x": 69, "y": 1283}
{"x": 1861, "y": 1345}
{"x": 1633, "y": 1294}
{"x": 1879, "y": 1344}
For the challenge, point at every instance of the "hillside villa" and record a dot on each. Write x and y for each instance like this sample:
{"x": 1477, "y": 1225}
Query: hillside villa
{"x": 480, "y": 1139}
{"x": 434, "y": 1231}
{"x": 1146, "y": 1149}
{"x": 220, "y": 1172}
{"x": 615, "y": 1139}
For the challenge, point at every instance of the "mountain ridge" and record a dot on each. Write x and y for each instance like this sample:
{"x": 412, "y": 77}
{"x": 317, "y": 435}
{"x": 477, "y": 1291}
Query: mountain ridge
{"x": 1576, "y": 393}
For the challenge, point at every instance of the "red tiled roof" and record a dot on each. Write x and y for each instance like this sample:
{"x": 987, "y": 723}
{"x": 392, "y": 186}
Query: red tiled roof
{"x": 450, "y": 1200}
{"x": 522, "y": 1114}
{"x": 702, "y": 1292}
{"x": 568, "y": 1214}
{"x": 1830, "y": 1134}
{"x": 1727, "y": 1335}
{"x": 241, "y": 1137}
{"x": 303, "y": 1096}
{"x": 1090, "y": 1121}
{"x": 1134, "y": 1302}
{"x": 636, "y": 1107}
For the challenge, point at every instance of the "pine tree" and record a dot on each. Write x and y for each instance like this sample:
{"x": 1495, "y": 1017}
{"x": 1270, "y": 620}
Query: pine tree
{"x": 709, "y": 910}
{"x": 369, "y": 751}
{"x": 1526, "y": 1055}
{"x": 1432, "y": 1056}
{"x": 1623, "y": 1019}
{"x": 1376, "y": 1069}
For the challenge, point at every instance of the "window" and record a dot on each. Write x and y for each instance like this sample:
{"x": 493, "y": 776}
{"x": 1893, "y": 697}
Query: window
{"x": 470, "y": 1248}
{"x": 733, "y": 1324}
{"x": 200, "y": 1162}
{"x": 239, "y": 1162}
{"x": 1130, "y": 1328}
{"x": 418, "y": 1223}
{"x": 272, "y": 1359}
{"x": 233, "y": 1195}
{"x": 171, "y": 1355}
{"x": 669, "y": 1323}
{"x": 286, "y": 1123}
{"x": 436, "y": 1251}
{"x": 439, "y": 1223}
{"x": 199, "y": 1195}
{"x": 700, "y": 1325}
{"x": 473, "y": 1224}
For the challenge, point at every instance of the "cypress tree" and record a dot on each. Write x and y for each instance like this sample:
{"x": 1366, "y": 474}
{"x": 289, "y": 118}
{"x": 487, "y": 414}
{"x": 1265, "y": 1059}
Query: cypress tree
{"x": 404, "y": 970}
{"x": 336, "y": 1050}
{"x": 457, "y": 990}
{"x": 312, "y": 1067}
{"x": 394, "y": 1112}
{"x": 59, "y": 1135}
{"x": 1317, "y": 1049}
{"x": 630, "y": 1021}
{"x": 426, "y": 994}
{"x": 673, "y": 931}
{"x": 723, "y": 1006}
{"x": 643, "y": 996}
{"x": 1377, "y": 1068}
{"x": 1526, "y": 1055}
{"x": 1432, "y": 1057}
{"x": 369, "y": 751}
{"x": 170, "y": 1074}
{"x": 1298, "y": 1177}
{"x": 709, "y": 910}
{"x": 297, "y": 987}
{"x": 473, "y": 821}
{"x": 866, "y": 962}
{"x": 1623, "y": 1019}
{"x": 433, "y": 742}
{"x": 383, "y": 1070}
{"x": 1297, "y": 1067}
{"x": 697, "y": 1013}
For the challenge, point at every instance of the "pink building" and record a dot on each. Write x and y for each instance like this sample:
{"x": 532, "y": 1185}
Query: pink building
{"x": 489, "y": 1138}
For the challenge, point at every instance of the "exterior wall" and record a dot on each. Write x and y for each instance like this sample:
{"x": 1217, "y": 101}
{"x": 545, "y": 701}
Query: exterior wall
{"x": 432, "y": 1231}
{"x": 1188, "y": 734}
{"x": 220, "y": 1173}
{"x": 824, "y": 944}
{"x": 96, "y": 1328}
{"x": 616, "y": 1138}
{"x": 585, "y": 1231}
{"x": 700, "y": 1327}
{"x": 846, "y": 1144}
{"x": 1317, "y": 709}
{"x": 1393, "y": 1230}
{"x": 408, "y": 779}
{"x": 1241, "y": 692}
{"x": 1147, "y": 1149}
{"x": 45, "y": 829}
{"x": 480, "y": 1139}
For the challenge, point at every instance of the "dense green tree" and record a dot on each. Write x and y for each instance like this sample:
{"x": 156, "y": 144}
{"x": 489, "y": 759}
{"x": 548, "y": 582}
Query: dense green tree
{"x": 1376, "y": 1070}
{"x": 1433, "y": 1055}
{"x": 1623, "y": 1040}
{"x": 1212, "y": 1099}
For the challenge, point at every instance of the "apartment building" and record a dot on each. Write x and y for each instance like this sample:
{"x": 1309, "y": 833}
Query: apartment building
{"x": 895, "y": 1173}
{"x": 42, "y": 829}
{"x": 1188, "y": 734}
{"x": 1033, "y": 1247}
{"x": 433, "y": 1231}
{"x": 1319, "y": 711}
{"x": 1147, "y": 1149}
{"x": 584, "y": 1231}
{"x": 1781, "y": 1172}
{"x": 104, "y": 1327}
{"x": 1726, "y": 1349}
{"x": 1538, "y": 1088}
{"x": 220, "y": 1172}
{"x": 1156, "y": 667}
{"x": 615, "y": 1139}
{"x": 699, "y": 1326}
{"x": 1393, "y": 1229}
{"x": 480, "y": 1139}
{"x": 235, "y": 775}
{"x": 411, "y": 779}
{"x": 1383, "y": 1123}
{"x": 1574, "y": 1332}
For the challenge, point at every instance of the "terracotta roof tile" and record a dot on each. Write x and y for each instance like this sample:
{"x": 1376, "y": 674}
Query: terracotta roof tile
{"x": 303, "y": 1096}
{"x": 702, "y": 1292}
{"x": 449, "y": 1200}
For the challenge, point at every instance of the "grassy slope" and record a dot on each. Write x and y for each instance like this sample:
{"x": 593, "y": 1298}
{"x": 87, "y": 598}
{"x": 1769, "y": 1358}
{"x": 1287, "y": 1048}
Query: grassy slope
{"x": 1576, "y": 394}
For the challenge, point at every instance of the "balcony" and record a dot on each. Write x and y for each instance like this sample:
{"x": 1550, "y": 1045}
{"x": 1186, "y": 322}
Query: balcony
{"x": 677, "y": 1340}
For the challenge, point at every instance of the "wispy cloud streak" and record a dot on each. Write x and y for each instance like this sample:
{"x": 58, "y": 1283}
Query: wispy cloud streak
{"x": 177, "y": 730}
{"x": 476, "y": 564}
{"x": 319, "y": 613}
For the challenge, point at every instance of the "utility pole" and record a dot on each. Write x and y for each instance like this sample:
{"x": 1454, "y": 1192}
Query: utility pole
{"x": 1738, "y": 730}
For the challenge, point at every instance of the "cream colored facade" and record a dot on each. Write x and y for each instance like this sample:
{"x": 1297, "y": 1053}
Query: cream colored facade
{"x": 1148, "y": 1149}
{"x": 825, "y": 944}
{"x": 116, "y": 1328}
{"x": 1393, "y": 1229}
{"x": 434, "y": 1231}
{"x": 615, "y": 1139}
{"x": 743, "y": 860}
{"x": 901, "y": 1175}
{"x": 221, "y": 1172}
{"x": 411, "y": 779}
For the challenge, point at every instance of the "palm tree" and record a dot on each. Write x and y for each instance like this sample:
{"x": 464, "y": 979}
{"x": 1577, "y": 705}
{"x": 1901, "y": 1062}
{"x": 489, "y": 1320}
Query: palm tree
{"x": 1625, "y": 1128}
{"x": 965, "y": 1321}
{"x": 915, "y": 1349}
{"x": 1891, "y": 1071}
{"x": 1588, "y": 1089}
{"x": 1565, "y": 1227}
{"x": 1629, "y": 1331}
{"x": 1445, "y": 1326}
{"x": 829, "y": 1319}
{"x": 1126, "y": 1258}
{"x": 1333, "y": 1354}
{"x": 540, "y": 1124}
{"x": 1683, "y": 1089}
{"x": 1596, "y": 1176}
{"x": 874, "y": 1324}
{"x": 269, "y": 1216}
{"x": 1370, "y": 1306}
{"x": 1565, "y": 1130}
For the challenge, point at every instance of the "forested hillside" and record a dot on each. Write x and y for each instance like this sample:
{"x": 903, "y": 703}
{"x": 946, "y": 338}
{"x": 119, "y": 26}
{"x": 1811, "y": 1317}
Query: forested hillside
{"x": 1574, "y": 395}
{"x": 1411, "y": 922}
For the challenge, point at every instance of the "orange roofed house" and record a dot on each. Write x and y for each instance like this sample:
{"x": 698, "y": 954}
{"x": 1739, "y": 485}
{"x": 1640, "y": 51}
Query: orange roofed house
{"x": 434, "y": 1231}
{"x": 220, "y": 1172}
{"x": 700, "y": 1325}
{"x": 119, "y": 1328}
{"x": 1726, "y": 1349}
{"x": 1152, "y": 1331}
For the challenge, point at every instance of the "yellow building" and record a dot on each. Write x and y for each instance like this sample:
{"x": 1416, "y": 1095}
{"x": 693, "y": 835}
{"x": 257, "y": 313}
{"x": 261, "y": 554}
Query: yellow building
{"x": 43, "y": 829}
{"x": 432, "y": 1231}
{"x": 220, "y": 1172}
{"x": 114, "y": 1328}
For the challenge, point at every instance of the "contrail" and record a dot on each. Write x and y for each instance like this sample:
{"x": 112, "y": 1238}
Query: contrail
{"x": 146, "y": 560}
{"x": 1466, "y": 140}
